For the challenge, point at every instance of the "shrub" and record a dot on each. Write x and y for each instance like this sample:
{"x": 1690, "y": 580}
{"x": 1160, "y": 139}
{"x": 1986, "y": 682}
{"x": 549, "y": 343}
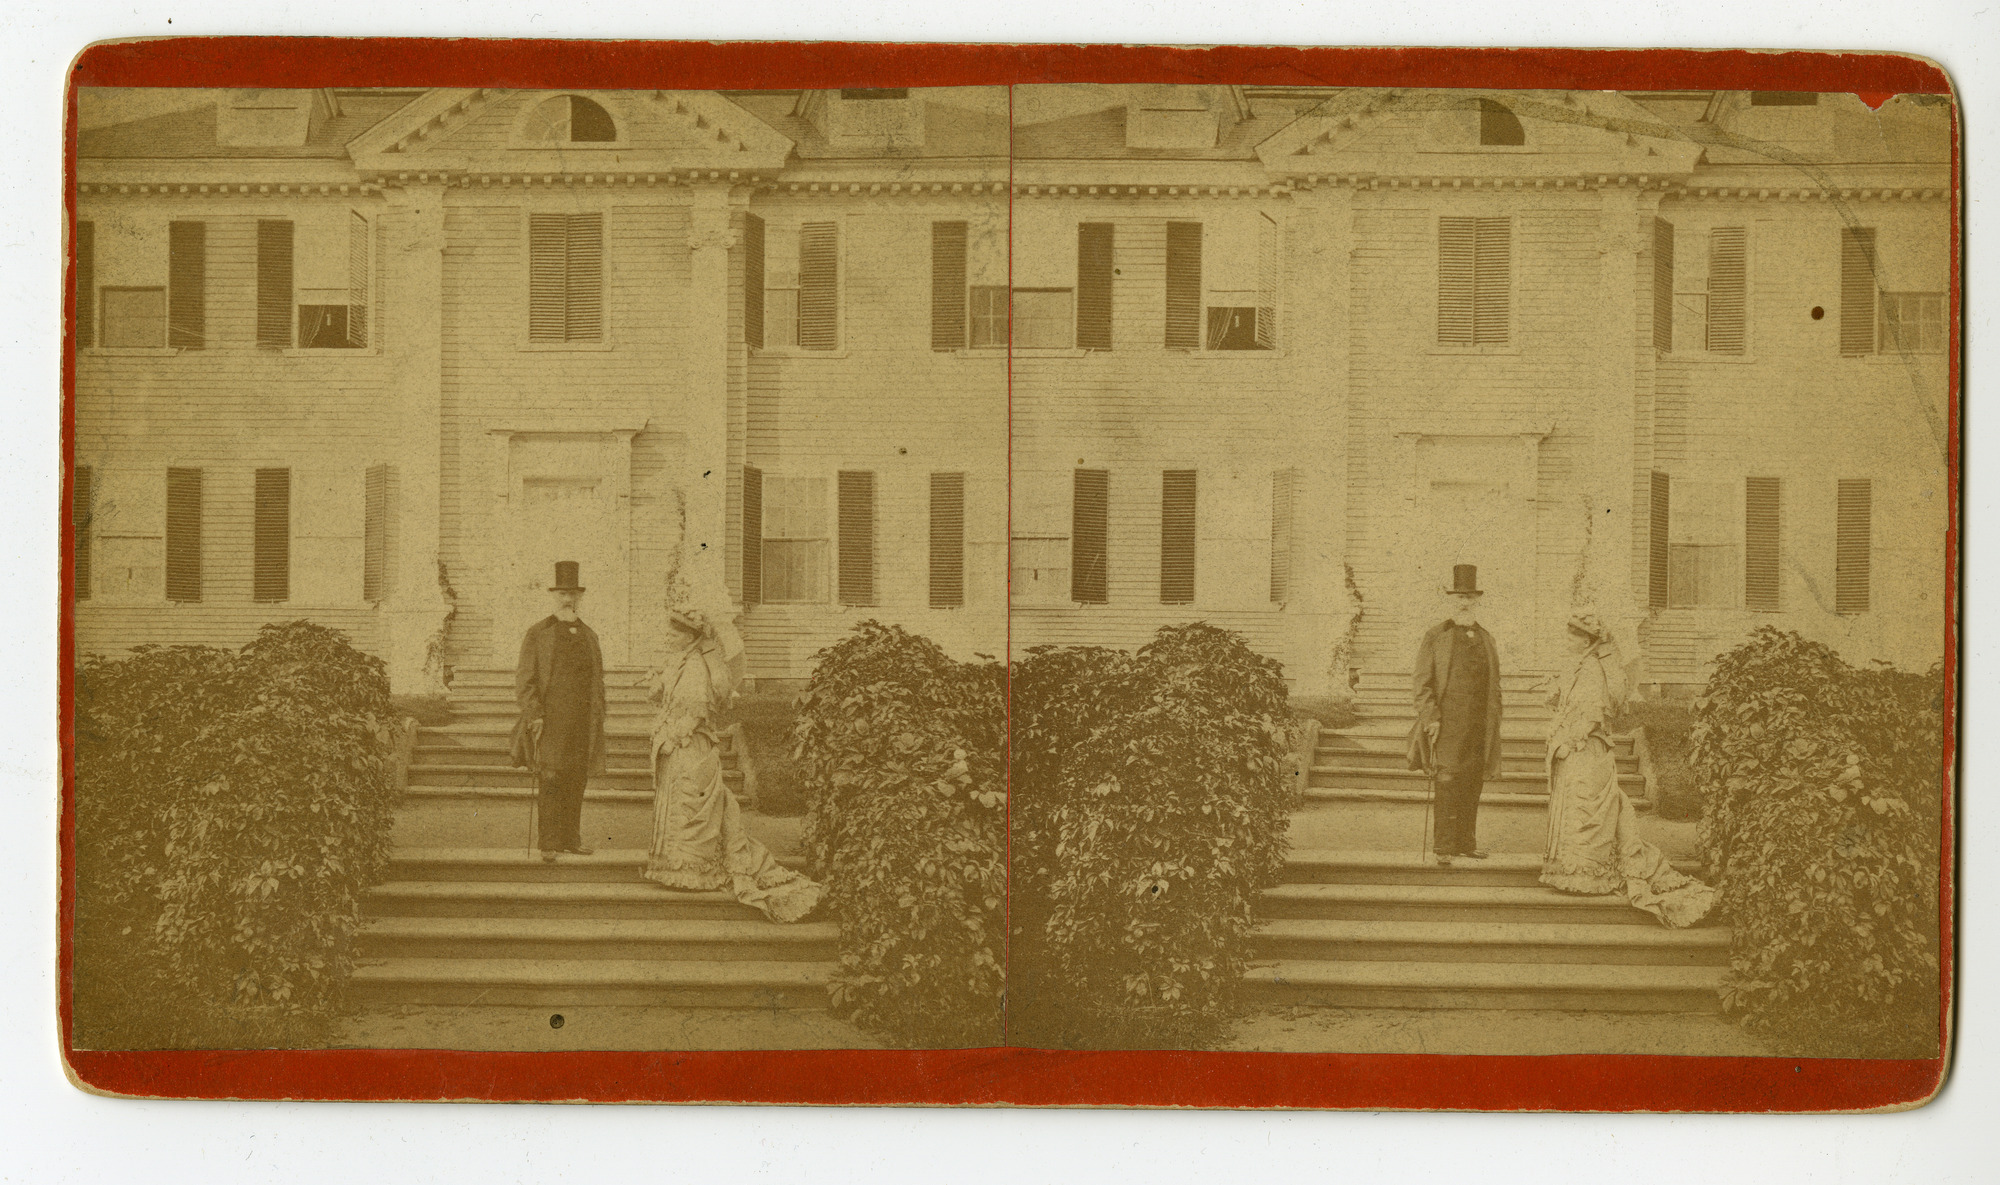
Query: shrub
{"x": 906, "y": 824}
{"x": 232, "y": 808}
{"x": 1332, "y": 712}
{"x": 768, "y": 719}
{"x": 1821, "y": 822}
{"x": 1152, "y": 799}
{"x": 427, "y": 710}
{"x": 1669, "y": 726}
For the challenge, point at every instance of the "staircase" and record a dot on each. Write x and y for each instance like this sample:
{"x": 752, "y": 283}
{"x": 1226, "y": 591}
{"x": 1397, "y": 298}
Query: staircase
{"x": 468, "y": 916}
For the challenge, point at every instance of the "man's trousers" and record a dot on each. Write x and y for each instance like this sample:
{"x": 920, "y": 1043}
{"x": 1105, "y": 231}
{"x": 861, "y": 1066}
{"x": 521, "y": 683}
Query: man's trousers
{"x": 1458, "y": 811}
{"x": 561, "y": 809}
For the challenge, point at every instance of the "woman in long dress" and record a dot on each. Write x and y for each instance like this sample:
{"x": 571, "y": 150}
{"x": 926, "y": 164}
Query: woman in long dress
{"x": 1594, "y": 844}
{"x": 699, "y": 841}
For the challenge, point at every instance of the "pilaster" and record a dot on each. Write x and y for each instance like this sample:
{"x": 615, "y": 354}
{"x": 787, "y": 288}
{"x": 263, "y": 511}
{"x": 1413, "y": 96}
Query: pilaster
{"x": 706, "y": 402}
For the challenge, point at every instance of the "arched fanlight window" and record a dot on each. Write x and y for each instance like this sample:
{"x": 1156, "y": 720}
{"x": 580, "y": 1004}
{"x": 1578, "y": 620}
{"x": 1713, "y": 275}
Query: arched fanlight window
{"x": 569, "y": 119}
{"x": 1497, "y": 125}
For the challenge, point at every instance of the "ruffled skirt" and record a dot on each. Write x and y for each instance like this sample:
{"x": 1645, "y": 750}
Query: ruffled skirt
{"x": 701, "y": 845}
{"x": 1594, "y": 844}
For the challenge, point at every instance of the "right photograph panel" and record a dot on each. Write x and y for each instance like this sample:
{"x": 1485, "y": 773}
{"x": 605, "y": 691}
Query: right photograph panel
{"x": 1478, "y": 574}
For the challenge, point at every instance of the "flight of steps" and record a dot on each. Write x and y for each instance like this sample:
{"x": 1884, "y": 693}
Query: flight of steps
{"x": 467, "y": 916}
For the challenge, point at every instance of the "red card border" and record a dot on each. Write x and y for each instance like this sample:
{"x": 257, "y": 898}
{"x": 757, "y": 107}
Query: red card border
{"x": 1002, "y": 1076}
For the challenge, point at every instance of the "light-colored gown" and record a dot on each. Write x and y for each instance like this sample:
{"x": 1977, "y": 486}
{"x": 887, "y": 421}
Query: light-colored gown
{"x": 1594, "y": 844}
{"x": 699, "y": 841}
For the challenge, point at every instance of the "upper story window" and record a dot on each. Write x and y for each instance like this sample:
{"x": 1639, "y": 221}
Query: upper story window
{"x": 569, "y": 119}
{"x": 1875, "y": 321}
{"x": 565, "y": 277}
{"x": 1475, "y": 264}
{"x": 965, "y": 310}
{"x": 315, "y": 282}
{"x": 1222, "y": 284}
{"x": 795, "y": 276}
{"x": 1499, "y": 126}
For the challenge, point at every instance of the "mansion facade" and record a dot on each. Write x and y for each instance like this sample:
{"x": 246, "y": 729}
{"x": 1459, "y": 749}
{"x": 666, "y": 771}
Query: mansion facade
{"x": 1272, "y": 358}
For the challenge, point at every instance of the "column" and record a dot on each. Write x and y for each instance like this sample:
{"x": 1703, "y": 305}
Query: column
{"x": 705, "y": 478}
{"x": 1319, "y": 249}
{"x": 1611, "y": 439}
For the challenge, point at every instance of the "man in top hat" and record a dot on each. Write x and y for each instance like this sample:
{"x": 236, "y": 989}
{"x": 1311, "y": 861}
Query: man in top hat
{"x": 1457, "y": 733}
{"x": 560, "y": 685}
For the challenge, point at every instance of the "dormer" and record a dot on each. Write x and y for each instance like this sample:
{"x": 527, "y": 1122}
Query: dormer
{"x": 868, "y": 118}
{"x": 1169, "y": 116}
{"x": 271, "y": 117}
{"x": 1798, "y": 119}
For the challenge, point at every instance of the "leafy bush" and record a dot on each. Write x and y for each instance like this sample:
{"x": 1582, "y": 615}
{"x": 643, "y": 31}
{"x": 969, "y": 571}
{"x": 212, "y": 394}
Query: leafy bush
{"x": 906, "y": 824}
{"x": 427, "y": 710}
{"x": 1152, "y": 799}
{"x": 1332, "y": 712}
{"x": 1669, "y": 726}
{"x": 768, "y": 719}
{"x": 1821, "y": 822}
{"x": 232, "y": 808}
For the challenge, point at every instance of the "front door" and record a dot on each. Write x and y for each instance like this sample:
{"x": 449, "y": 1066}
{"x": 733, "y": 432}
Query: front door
{"x": 564, "y": 518}
{"x": 1475, "y": 505}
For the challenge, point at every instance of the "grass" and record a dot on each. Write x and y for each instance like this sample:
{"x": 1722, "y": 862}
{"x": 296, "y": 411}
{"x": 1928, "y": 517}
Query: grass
{"x": 1668, "y": 725}
{"x": 767, "y": 718}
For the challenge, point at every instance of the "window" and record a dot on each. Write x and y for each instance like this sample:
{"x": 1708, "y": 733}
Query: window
{"x": 1184, "y": 285}
{"x": 187, "y": 285}
{"x": 1853, "y": 537}
{"x": 274, "y": 283}
{"x": 1703, "y": 561}
{"x": 271, "y": 569}
{"x": 86, "y": 284}
{"x": 184, "y": 535}
{"x": 1761, "y": 527}
{"x": 1783, "y": 99}
{"x": 1911, "y": 323}
{"x": 135, "y": 317}
{"x": 871, "y": 94}
{"x": 1089, "y": 536}
{"x": 565, "y": 277}
{"x": 1857, "y": 290}
{"x": 794, "y": 539}
{"x": 989, "y": 316}
{"x": 1657, "y": 545}
{"x": 1474, "y": 265}
{"x": 948, "y": 295}
{"x": 753, "y": 535}
{"x": 819, "y": 286}
{"x": 1663, "y": 285}
{"x": 781, "y": 317}
{"x": 753, "y": 281}
{"x": 1284, "y": 484}
{"x": 947, "y": 540}
{"x": 1093, "y": 285}
{"x": 569, "y": 119}
{"x": 1042, "y": 319}
{"x": 79, "y": 525}
{"x": 375, "y": 533}
{"x": 857, "y": 538}
{"x": 1177, "y": 537}
{"x": 1497, "y": 125}
{"x": 1726, "y": 289}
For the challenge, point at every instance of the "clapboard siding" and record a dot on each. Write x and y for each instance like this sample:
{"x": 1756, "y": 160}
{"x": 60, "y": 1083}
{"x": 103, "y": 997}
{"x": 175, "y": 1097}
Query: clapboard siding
{"x": 113, "y": 630}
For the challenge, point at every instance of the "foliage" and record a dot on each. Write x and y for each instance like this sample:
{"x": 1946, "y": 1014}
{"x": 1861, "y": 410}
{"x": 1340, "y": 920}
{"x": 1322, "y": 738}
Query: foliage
{"x": 1334, "y": 712}
{"x": 1822, "y": 823}
{"x": 1151, "y": 808}
{"x": 768, "y": 719}
{"x": 906, "y": 824}
{"x": 232, "y": 808}
{"x": 1669, "y": 726}
{"x": 427, "y": 710}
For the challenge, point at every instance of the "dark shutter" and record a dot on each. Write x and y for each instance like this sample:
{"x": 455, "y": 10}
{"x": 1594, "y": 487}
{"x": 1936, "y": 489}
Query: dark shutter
{"x": 274, "y": 283}
{"x": 753, "y": 535}
{"x": 184, "y": 534}
{"x": 583, "y": 283}
{"x": 1726, "y": 289}
{"x": 947, "y": 285}
{"x": 1657, "y": 544}
{"x": 1184, "y": 285}
{"x": 86, "y": 284}
{"x": 1761, "y": 526}
{"x": 1177, "y": 537}
{"x": 1853, "y": 537}
{"x": 753, "y": 281}
{"x": 857, "y": 538}
{"x": 1283, "y": 485}
{"x": 357, "y": 279}
{"x": 1492, "y": 281}
{"x": 79, "y": 525}
{"x": 1457, "y": 238}
{"x": 947, "y": 540}
{"x": 548, "y": 254}
{"x": 1663, "y": 285}
{"x": 1268, "y": 271}
{"x": 187, "y": 285}
{"x": 1857, "y": 290}
{"x": 1090, "y": 501}
{"x": 1093, "y": 283}
{"x": 374, "y": 532}
{"x": 271, "y": 570}
{"x": 819, "y": 286}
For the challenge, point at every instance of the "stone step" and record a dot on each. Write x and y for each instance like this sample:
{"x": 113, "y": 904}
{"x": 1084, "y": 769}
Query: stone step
{"x": 618, "y": 717}
{"x": 554, "y": 899}
{"x": 605, "y": 865}
{"x": 1331, "y": 866}
{"x": 552, "y": 983}
{"x": 1394, "y": 820}
{"x": 564, "y": 939}
{"x": 498, "y": 737}
{"x": 1523, "y": 736}
{"x": 1510, "y": 680}
{"x": 1399, "y": 759}
{"x": 471, "y": 677}
{"x": 617, "y": 758}
{"x": 1336, "y": 983}
{"x": 491, "y": 816}
{"x": 1488, "y": 942}
{"x": 1349, "y": 776}
{"x": 614, "y": 693}
{"x": 1447, "y": 903}
{"x": 615, "y": 778}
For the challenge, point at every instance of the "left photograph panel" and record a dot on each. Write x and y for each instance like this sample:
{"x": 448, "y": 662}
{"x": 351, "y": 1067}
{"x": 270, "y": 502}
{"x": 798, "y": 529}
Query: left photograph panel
{"x": 540, "y": 568}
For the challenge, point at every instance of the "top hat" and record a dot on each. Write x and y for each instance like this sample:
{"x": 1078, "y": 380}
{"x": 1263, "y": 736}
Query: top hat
{"x": 1465, "y": 579}
{"x": 565, "y": 577}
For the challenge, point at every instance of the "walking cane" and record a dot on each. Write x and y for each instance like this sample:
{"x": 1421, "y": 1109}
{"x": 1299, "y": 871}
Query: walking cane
{"x": 534, "y": 797}
{"x": 1424, "y": 841}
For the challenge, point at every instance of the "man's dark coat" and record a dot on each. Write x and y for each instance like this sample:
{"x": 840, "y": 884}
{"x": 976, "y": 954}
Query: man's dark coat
{"x": 1432, "y": 674}
{"x": 531, "y": 678}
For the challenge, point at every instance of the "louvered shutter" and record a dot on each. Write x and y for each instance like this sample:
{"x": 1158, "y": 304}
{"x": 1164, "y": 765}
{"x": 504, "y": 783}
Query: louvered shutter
{"x": 79, "y": 525}
{"x": 1761, "y": 527}
{"x": 1853, "y": 538}
{"x": 1177, "y": 537}
{"x": 1283, "y": 484}
{"x": 274, "y": 283}
{"x": 1267, "y": 283}
{"x": 1457, "y": 238}
{"x": 1492, "y": 281}
{"x": 1658, "y": 543}
{"x": 857, "y": 538}
{"x": 375, "y": 533}
{"x": 271, "y": 569}
{"x": 1093, "y": 285}
{"x": 819, "y": 286}
{"x": 1089, "y": 536}
{"x": 1663, "y": 285}
{"x": 947, "y": 540}
{"x": 187, "y": 285}
{"x": 184, "y": 534}
{"x": 357, "y": 279}
{"x": 753, "y": 535}
{"x": 583, "y": 287}
{"x": 86, "y": 284}
{"x": 1184, "y": 285}
{"x": 548, "y": 269}
{"x": 753, "y": 281}
{"x": 1857, "y": 290}
{"x": 1726, "y": 259}
{"x": 948, "y": 285}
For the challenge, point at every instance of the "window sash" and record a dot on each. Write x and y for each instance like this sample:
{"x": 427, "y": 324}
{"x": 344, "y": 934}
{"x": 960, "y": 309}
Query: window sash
{"x": 1042, "y": 319}
{"x": 1040, "y": 570}
{"x": 134, "y": 318}
{"x": 794, "y": 571}
{"x": 1911, "y": 322}
{"x": 989, "y": 316}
